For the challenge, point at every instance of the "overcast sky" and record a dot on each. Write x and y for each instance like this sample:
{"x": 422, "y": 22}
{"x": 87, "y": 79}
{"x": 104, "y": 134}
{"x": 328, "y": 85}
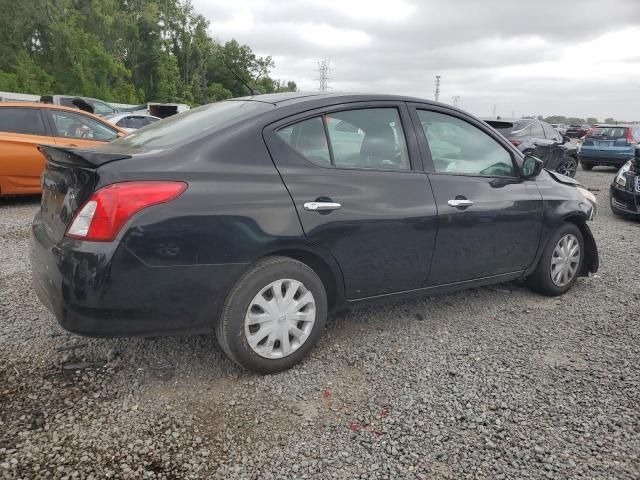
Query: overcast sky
{"x": 527, "y": 57}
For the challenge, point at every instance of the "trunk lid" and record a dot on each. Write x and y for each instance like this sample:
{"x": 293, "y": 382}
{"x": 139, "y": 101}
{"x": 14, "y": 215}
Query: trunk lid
{"x": 69, "y": 179}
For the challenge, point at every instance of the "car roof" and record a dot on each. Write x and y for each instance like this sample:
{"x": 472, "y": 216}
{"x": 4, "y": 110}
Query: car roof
{"x": 58, "y": 107}
{"x": 288, "y": 98}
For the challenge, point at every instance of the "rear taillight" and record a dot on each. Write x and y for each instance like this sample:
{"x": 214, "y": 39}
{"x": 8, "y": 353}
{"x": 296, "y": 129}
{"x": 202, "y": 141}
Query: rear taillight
{"x": 630, "y": 139}
{"x": 103, "y": 215}
{"x": 516, "y": 142}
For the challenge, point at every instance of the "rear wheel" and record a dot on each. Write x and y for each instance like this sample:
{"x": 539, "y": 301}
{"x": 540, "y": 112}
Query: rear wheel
{"x": 568, "y": 167}
{"x": 273, "y": 316}
{"x": 560, "y": 263}
{"x": 586, "y": 166}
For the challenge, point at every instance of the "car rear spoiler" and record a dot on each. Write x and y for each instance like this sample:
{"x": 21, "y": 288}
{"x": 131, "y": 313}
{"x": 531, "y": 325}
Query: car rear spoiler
{"x": 78, "y": 157}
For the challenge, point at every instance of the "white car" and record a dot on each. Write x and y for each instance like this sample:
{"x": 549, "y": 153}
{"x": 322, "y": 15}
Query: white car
{"x": 131, "y": 121}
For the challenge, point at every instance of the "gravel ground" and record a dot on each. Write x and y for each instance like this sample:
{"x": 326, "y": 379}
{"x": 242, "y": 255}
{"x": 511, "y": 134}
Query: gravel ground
{"x": 489, "y": 383}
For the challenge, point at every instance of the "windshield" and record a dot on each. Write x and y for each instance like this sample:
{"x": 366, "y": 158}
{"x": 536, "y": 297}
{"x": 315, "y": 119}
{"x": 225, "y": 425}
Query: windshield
{"x": 609, "y": 132}
{"x": 206, "y": 119}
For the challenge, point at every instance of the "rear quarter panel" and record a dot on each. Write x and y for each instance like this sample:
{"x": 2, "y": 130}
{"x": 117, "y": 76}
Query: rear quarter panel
{"x": 21, "y": 164}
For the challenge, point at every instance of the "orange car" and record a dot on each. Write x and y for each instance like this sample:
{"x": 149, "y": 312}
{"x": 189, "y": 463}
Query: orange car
{"x": 24, "y": 125}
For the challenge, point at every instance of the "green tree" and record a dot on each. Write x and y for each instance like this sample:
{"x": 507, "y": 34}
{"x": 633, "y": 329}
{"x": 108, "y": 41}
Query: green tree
{"x": 124, "y": 51}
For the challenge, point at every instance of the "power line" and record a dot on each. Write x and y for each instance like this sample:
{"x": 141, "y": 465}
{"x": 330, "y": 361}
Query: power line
{"x": 324, "y": 67}
{"x": 436, "y": 96}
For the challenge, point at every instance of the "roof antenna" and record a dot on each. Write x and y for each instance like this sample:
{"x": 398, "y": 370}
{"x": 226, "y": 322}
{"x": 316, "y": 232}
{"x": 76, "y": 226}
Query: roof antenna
{"x": 252, "y": 90}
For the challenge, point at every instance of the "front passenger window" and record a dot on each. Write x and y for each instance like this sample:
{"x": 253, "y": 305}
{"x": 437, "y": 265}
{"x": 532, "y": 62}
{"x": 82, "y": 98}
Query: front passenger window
{"x": 457, "y": 147}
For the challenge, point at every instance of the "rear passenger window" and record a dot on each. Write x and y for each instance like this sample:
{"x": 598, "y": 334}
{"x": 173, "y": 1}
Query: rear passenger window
{"x": 365, "y": 138}
{"x": 536, "y": 130}
{"x": 309, "y": 140}
{"x": 22, "y": 120}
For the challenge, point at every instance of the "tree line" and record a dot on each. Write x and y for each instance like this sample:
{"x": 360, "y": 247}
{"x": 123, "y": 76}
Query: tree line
{"x": 579, "y": 121}
{"x": 127, "y": 51}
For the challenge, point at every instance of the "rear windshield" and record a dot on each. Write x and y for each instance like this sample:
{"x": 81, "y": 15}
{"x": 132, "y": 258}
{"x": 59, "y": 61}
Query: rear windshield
{"x": 206, "y": 119}
{"x": 504, "y": 128}
{"x": 520, "y": 129}
{"x": 609, "y": 132}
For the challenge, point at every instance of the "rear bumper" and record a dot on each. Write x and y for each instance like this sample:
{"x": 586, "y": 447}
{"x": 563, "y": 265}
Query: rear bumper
{"x": 624, "y": 202}
{"x": 614, "y": 159}
{"x": 102, "y": 289}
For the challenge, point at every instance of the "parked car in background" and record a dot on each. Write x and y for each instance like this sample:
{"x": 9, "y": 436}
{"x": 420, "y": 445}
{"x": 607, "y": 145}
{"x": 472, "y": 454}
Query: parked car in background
{"x": 560, "y": 127}
{"x": 577, "y": 131}
{"x": 24, "y": 125}
{"x": 131, "y": 121}
{"x": 625, "y": 190}
{"x": 90, "y": 105}
{"x": 609, "y": 145}
{"x": 251, "y": 217}
{"x": 540, "y": 139}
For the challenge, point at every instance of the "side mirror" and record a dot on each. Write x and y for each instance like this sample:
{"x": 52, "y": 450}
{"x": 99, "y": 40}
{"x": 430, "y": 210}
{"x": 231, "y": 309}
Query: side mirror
{"x": 531, "y": 166}
{"x": 565, "y": 139}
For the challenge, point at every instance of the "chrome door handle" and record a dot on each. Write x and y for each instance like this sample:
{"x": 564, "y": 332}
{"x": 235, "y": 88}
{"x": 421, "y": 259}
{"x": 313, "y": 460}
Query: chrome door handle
{"x": 460, "y": 203}
{"x": 321, "y": 206}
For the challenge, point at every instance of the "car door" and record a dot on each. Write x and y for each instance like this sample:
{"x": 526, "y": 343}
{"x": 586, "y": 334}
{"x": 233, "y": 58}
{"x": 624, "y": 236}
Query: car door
{"x": 21, "y": 164}
{"x": 357, "y": 183}
{"x": 75, "y": 129}
{"x": 489, "y": 219}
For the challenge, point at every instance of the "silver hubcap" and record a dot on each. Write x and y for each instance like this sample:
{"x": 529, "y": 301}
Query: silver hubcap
{"x": 280, "y": 318}
{"x": 565, "y": 260}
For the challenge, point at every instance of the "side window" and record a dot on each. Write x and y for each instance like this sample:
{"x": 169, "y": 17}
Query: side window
{"x": 309, "y": 140}
{"x": 74, "y": 125}
{"x": 124, "y": 123}
{"x": 457, "y": 147}
{"x": 22, "y": 120}
{"x": 536, "y": 130}
{"x": 370, "y": 138}
{"x": 550, "y": 132}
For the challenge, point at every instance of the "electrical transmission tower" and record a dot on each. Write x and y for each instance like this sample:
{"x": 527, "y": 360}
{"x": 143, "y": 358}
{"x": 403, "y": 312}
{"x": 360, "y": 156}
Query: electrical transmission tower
{"x": 324, "y": 67}
{"x": 456, "y": 100}
{"x": 436, "y": 96}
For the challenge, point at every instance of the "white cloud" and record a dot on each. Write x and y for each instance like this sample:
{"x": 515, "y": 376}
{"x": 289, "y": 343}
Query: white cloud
{"x": 551, "y": 57}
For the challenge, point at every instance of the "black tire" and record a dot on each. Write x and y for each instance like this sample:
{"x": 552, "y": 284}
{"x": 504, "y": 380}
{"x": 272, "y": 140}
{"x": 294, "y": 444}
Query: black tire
{"x": 540, "y": 280}
{"x": 586, "y": 166}
{"x": 568, "y": 166}
{"x": 230, "y": 328}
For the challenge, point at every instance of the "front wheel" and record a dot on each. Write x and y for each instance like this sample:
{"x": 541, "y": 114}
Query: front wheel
{"x": 273, "y": 315}
{"x": 568, "y": 167}
{"x": 560, "y": 263}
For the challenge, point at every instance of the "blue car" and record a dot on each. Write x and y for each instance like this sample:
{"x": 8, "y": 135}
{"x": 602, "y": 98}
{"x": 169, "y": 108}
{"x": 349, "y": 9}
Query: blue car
{"x": 609, "y": 145}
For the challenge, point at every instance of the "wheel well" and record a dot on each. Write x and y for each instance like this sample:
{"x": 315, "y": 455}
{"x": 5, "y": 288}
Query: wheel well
{"x": 591, "y": 255}
{"x": 318, "y": 265}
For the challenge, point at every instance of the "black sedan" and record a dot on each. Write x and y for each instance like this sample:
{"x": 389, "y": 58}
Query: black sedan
{"x": 258, "y": 216}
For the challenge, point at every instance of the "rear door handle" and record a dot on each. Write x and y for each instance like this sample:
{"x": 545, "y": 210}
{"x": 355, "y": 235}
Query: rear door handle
{"x": 321, "y": 206}
{"x": 459, "y": 203}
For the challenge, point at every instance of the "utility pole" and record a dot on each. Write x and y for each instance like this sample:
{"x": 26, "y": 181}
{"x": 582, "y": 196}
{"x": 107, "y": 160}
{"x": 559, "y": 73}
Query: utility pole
{"x": 513, "y": 114}
{"x": 324, "y": 66}
{"x": 456, "y": 99}
{"x": 436, "y": 96}
{"x": 494, "y": 110}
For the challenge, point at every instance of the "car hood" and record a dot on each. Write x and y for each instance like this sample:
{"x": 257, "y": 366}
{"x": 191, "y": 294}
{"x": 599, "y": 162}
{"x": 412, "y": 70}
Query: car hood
{"x": 564, "y": 179}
